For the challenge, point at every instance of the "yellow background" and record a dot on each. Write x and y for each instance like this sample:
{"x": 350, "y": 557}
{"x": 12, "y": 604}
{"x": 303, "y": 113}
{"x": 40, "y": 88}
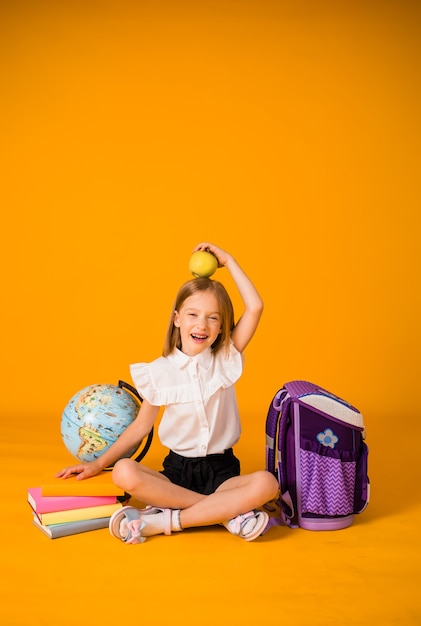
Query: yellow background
{"x": 285, "y": 132}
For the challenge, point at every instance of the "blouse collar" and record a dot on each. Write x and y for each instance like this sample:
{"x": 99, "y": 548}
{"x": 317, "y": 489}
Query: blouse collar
{"x": 182, "y": 360}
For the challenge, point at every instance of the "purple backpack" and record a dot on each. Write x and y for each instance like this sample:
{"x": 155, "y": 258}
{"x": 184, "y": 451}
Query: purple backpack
{"x": 316, "y": 441}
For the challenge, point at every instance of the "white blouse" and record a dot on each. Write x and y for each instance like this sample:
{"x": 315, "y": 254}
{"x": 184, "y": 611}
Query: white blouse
{"x": 201, "y": 414}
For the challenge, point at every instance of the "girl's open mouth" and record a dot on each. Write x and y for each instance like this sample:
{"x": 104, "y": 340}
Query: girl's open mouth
{"x": 199, "y": 338}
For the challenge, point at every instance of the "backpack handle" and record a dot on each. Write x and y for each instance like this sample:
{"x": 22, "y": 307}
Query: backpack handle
{"x": 272, "y": 424}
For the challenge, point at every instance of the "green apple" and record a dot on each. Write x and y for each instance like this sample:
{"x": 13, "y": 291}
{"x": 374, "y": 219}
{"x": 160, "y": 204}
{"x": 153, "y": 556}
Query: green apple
{"x": 203, "y": 264}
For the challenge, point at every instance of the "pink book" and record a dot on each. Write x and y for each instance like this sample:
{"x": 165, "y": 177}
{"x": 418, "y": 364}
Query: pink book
{"x": 53, "y": 504}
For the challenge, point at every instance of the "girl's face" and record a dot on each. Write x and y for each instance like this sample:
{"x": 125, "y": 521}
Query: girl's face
{"x": 199, "y": 321}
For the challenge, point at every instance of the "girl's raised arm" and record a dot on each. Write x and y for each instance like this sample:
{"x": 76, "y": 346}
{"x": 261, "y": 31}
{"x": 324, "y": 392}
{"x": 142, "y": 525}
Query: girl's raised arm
{"x": 253, "y": 304}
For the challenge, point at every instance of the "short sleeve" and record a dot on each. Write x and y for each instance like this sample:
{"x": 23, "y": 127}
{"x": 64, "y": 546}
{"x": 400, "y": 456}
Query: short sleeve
{"x": 227, "y": 370}
{"x": 142, "y": 378}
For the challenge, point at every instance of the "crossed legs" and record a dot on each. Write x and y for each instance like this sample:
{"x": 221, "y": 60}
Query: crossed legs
{"x": 234, "y": 497}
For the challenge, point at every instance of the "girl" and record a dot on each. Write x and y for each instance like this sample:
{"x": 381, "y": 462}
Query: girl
{"x": 202, "y": 359}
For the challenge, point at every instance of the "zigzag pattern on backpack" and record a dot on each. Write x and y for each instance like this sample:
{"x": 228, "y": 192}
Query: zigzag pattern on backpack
{"x": 330, "y": 490}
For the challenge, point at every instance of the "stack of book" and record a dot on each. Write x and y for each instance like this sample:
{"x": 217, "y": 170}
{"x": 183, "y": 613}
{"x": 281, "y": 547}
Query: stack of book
{"x": 62, "y": 507}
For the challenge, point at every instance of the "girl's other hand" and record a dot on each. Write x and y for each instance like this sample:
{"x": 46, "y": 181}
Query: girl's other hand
{"x": 220, "y": 254}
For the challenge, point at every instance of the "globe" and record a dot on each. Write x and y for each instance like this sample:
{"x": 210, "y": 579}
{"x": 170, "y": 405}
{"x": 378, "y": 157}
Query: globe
{"x": 95, "y": 417}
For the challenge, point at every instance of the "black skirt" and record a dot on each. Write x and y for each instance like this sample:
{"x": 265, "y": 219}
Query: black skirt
{"x": 201, "y": 474}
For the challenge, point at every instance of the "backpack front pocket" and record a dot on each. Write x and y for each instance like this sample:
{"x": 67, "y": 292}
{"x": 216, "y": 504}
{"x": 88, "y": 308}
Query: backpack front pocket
{"x": 327, "y": 480}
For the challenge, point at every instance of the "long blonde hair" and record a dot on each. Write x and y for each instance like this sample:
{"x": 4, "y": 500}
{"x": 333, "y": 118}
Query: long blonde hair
{"x": 226, "y": 310}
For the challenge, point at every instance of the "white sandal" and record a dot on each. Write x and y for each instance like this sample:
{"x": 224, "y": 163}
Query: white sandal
{"x": 135, "y": 522}
{"x": 242, "y": 525}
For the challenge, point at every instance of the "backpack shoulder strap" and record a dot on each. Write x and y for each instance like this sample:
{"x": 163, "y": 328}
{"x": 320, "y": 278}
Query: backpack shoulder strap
{"x": 274, "y": 427}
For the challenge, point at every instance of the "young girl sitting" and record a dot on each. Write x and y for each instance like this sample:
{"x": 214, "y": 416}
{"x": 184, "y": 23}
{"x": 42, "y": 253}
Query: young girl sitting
{"x": 200, "y": 483}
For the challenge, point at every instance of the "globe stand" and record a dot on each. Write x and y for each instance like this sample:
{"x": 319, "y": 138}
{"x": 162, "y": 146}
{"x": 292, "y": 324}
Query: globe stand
{"x": 141, "y": 451}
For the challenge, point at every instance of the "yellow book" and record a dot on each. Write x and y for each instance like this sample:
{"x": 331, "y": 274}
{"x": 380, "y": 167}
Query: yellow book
{"x": 75, "y": 515}
{"x": 100, "y": 485}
